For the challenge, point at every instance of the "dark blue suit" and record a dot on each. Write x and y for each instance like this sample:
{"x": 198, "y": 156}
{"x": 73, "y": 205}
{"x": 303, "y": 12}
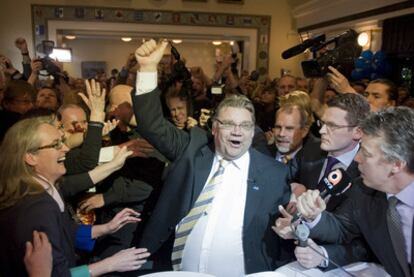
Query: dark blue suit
{"x": 192, "y": 154}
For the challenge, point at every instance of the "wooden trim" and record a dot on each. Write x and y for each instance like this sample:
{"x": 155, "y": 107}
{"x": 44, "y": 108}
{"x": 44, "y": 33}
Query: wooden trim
{"x": 378, "y": 11}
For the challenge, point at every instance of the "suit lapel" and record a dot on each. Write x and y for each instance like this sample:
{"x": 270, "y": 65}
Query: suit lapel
{"x": 254, "y": 189}
{"x": 203, "y": 163}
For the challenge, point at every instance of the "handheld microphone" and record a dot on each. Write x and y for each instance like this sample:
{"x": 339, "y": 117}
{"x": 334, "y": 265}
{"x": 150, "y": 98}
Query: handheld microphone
{"x": 335, "y": 183}
{"x": 302, "y": 234}
{"x": 296, "y": 50}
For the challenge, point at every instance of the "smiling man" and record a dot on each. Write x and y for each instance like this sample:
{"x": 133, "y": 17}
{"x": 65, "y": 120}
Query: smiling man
{"x": 220, "y": 196}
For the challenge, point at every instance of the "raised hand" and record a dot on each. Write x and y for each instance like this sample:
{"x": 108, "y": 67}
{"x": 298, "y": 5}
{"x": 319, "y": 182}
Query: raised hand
{"x": 339, "y": 82}
{"x": 149, "y": 55}
{"x": 109, "y": 125}
{"x": 21, "y": 44}
{"x": 283, "y": 225}
{"x": 95, "y": 100}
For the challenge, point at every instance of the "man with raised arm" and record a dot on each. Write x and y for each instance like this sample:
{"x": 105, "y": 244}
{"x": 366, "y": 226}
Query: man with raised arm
{"x": 220, "y": 196}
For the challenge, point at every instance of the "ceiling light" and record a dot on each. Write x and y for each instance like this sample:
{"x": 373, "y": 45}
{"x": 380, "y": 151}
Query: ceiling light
{"x": 231, "y": 42}
{"x": 363, "y": 39}
{"x": 216, "y": 42}
{"x": 177, "y": 41}
{"x": 70, "y": 37}
{"x": 126, "y": 39}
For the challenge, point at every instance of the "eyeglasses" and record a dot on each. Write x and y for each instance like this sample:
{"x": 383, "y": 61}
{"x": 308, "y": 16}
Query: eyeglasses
{"x": 332, "y": 126}
{"x": 58, "y": 144}
{"x": 230, "y": 125}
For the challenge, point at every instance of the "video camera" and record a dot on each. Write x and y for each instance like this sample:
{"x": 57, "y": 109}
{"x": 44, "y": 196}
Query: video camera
{"x": 46, "y": 48}
{"x": 345, "y": 49}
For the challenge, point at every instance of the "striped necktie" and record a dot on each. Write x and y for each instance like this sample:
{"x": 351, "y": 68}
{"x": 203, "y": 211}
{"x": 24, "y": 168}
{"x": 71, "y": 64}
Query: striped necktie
{"x": 286, "y": 158}
{"x": 201, "y": 205}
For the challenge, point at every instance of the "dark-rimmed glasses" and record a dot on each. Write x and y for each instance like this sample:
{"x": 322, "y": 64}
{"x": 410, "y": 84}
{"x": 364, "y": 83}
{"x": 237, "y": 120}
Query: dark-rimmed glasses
{"x": 332, "y": 126}
{"x": 57, "y": 144}
{"x": 231, "y": 125}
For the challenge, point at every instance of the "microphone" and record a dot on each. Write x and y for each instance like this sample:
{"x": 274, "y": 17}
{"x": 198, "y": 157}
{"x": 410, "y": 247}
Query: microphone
{"x": 296, "y": 50}
{"x": 336, "y": 182}
{"x": 302, "y": 234}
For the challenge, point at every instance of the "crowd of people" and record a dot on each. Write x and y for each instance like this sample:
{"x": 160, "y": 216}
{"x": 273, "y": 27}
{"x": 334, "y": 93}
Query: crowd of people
{"x": 160, "y": 167}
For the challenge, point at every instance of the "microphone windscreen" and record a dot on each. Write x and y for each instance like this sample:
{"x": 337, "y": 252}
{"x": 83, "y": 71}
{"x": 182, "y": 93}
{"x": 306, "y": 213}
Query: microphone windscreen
{"x": 336, "y": 182}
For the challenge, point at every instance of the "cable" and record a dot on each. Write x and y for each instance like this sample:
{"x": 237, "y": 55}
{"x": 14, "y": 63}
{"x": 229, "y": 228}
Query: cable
{"x": 323, "y": 256}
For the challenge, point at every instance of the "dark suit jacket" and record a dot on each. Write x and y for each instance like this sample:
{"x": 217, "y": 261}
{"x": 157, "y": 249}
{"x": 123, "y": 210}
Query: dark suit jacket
{"x": 192, "y": 155}
{"x": 310, "y": 150}
{"x": 36, "y": 212}
{"x": 310, "y": 168}
{"x": 363, "y": 215}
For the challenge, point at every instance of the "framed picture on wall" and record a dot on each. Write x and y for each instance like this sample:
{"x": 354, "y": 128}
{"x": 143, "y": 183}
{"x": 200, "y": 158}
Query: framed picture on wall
{"x": 231, "y": 1}
{"x": 90, "y": 69}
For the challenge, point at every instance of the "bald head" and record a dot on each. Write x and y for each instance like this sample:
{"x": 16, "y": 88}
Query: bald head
{"x": 120, "y": 104}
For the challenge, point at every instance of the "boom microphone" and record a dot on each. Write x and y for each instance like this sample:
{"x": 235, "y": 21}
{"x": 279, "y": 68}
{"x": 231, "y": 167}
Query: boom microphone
{"x": 335, "y": 183}
{"x": 300, "y": 48}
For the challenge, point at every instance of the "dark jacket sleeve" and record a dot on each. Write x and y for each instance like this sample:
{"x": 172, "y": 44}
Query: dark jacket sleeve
{"x": 343, "y": 254}
{"x": 125, "y": 190}
{"x": 73, "y": 184}
{"x": 85, "y": 158}
{"x": 152, "y": 125}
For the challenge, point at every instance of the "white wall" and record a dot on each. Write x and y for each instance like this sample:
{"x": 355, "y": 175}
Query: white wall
{"x": 115, "y": 53}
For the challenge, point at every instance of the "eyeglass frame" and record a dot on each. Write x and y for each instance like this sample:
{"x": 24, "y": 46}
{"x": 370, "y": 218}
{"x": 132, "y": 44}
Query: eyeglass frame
{"x": 56, "y": 145}
{"x": 332, "y": 126}
{"x": 231, "y": 125}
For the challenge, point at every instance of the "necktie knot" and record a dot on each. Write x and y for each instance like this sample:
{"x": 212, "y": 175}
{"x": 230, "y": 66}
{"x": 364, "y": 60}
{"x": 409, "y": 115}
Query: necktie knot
{"x": 392, "y": 201}
{"x": 286, "y": 159}
{"x": 223, "y": 163}
{"x": 332, "y": 161}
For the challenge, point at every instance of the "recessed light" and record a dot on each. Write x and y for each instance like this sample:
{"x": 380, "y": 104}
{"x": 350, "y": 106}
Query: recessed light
{"x": 126, "y": 39}
{"x": 70, "y": 37}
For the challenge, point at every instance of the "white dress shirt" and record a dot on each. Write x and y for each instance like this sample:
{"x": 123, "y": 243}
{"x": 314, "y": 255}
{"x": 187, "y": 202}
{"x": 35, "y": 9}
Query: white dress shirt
{"x": 215, "y": 244}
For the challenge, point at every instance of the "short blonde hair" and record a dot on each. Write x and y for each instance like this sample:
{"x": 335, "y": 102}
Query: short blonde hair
{"x": 302, "y": 101}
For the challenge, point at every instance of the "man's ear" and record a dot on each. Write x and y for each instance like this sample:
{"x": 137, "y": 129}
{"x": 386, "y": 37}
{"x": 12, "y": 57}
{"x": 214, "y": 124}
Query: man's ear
{"x": 30, "y": 159}
{"x": 357, "y": 133}
{"x": 398, "y": 166}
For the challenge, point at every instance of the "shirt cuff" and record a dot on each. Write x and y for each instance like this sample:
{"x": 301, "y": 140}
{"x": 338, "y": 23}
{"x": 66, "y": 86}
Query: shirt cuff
{"x": 106, "y": 154}
{"x": 80, "y": 271}
{"x": 146, "y": 82}
{"x": 313, "y": 223}
{"x": 84, "y": 239}
{"x": 325, "y": 261}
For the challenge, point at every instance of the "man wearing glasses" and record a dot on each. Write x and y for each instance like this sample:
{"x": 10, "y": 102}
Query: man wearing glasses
{"x": 220, "y": 196}
{"x": 340, "y": 137}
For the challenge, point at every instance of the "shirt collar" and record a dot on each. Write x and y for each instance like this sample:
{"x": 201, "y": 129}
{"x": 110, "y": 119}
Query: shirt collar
{"x": 347, "y": 158}
{"x": 238, "y": 163}
{"x": 406, "y": 195}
